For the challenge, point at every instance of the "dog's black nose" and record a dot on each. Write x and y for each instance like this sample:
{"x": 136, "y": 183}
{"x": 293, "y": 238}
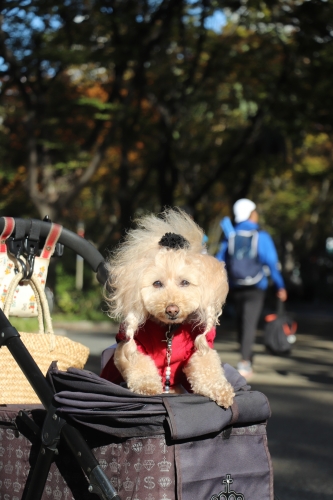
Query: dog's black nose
{"x": 172, "y": 310}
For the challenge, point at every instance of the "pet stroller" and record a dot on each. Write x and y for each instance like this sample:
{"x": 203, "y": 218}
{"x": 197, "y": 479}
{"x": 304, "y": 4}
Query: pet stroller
{"x": 88, "y": 438}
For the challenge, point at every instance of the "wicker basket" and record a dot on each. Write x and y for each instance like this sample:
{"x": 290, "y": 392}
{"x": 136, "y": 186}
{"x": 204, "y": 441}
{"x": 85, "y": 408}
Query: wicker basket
{"x": 44, "y": 347}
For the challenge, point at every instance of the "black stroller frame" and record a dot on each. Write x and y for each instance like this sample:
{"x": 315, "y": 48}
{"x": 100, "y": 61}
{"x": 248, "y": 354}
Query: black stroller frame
{"x": 54, "y": 427}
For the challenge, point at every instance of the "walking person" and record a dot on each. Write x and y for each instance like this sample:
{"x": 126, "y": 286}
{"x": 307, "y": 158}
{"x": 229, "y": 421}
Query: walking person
{"x": 246, "y": 249}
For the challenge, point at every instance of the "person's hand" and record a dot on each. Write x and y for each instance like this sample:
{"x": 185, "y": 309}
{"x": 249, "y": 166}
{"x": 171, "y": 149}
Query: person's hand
{"x": 282, "y": 294}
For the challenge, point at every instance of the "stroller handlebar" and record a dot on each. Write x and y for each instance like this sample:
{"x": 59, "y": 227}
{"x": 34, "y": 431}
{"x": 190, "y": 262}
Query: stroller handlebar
{"x": 71, "y": 240}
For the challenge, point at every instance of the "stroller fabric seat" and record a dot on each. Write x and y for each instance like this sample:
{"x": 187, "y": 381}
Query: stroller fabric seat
{"x": 165, "y": 447}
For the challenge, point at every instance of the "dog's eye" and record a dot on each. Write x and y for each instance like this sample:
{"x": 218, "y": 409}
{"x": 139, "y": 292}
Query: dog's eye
{"x": 184, "y": 283}
{"x": 157, "y": 284}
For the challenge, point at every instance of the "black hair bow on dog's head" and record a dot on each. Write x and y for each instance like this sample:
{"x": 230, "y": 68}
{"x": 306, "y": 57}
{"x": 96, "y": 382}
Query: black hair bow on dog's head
{"x": 174, "y": 241}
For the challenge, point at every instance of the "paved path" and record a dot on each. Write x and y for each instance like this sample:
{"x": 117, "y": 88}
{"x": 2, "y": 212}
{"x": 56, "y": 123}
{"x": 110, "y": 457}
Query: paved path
{"x": 300, "y": 391}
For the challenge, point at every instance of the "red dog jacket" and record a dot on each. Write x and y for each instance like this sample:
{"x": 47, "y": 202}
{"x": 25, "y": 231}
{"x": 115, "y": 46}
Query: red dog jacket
{"x": 150, "y": 339}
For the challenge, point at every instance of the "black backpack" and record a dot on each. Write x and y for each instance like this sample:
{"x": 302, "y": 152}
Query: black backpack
{"x": 279, "y": 331}
{"x": 243, "y": 266}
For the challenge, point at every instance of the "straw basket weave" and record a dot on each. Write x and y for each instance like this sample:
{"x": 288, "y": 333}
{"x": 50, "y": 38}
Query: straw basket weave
{"x": 43, "y": 347}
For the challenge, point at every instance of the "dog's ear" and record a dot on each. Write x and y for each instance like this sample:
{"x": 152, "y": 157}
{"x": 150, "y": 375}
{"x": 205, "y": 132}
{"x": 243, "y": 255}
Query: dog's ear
{"x": 124, "y": 298}
{"x": 214, "y": 289}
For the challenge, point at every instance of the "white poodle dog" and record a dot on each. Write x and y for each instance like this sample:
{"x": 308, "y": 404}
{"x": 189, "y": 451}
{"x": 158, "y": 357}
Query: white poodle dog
{"x": 168, "y": 293}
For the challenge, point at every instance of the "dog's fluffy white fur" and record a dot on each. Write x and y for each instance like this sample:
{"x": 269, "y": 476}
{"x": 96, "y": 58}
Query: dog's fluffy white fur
{"x": 191, "y": 280}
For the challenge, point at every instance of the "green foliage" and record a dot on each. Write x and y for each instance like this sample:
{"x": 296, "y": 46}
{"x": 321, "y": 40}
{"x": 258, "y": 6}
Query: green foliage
{"x": 25, "y": 324}
{"x": 109, "y": 111}
{"x": 87, "y": 303}
{"x": 96, "y": 103}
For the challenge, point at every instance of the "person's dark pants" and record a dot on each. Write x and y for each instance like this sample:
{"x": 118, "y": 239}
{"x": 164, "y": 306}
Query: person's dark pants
{"x": 249, "y": 303}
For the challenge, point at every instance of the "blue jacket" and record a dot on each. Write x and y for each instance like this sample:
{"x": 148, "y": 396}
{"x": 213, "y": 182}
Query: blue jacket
{"x": 266, "y": 253}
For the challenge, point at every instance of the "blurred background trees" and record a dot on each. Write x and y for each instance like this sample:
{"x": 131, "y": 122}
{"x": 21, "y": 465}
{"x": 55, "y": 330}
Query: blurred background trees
{"x": 112, "y": 108}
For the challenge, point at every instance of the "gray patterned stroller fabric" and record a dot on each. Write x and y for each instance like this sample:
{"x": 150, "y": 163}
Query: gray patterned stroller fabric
{"x": 167, "y": 447}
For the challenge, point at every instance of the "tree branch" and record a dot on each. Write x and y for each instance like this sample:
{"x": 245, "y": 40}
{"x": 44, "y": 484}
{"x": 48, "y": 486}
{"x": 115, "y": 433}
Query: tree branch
{"x": 229, "y": 160}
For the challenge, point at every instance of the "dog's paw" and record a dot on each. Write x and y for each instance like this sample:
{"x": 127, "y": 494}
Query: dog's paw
{"x": 225, "y": 396}
{"x": 139, "y": 372}
{"x": 146, "y": 386}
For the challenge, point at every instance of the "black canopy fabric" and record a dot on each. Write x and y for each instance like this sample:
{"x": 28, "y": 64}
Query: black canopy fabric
{"x": 86, "y": 399}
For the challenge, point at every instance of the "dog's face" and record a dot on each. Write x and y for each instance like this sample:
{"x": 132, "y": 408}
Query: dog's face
{"x": 160, "y": 270}
{"x": 171, "y": 287}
